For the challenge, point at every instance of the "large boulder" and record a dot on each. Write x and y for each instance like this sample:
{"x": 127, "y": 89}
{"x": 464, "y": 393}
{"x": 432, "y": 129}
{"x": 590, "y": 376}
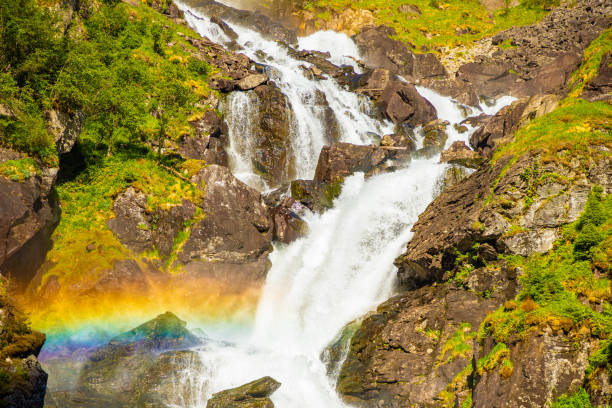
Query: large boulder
{"x": 378, "y": 50}
{"x": 343, "y": 159}
{"x": 140, "y": 228}
{"x": 236, "y": 227}
{"x": 287, "y": 223}
{"x": 252, "y": 395}
{"x": 459, "y": 153}
{"x": 65, "y": 128}
{"x": 401, "y": 103}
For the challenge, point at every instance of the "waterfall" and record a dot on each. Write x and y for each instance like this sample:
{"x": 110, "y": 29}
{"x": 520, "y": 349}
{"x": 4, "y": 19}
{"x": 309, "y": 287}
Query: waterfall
{"x": 344, "y": 267}
{"x": 352, "y": 112}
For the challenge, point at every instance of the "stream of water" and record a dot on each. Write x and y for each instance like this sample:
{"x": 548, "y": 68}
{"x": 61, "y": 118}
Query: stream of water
{"x": 344, "y": 267}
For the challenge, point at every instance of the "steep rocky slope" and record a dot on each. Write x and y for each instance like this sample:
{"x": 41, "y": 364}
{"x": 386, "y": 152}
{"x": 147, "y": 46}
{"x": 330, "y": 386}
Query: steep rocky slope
{"x": 513, "y": 237}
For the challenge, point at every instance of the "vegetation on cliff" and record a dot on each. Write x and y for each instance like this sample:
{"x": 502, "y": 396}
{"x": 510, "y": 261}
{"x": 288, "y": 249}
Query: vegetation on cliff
{"x": 429, "y": 25}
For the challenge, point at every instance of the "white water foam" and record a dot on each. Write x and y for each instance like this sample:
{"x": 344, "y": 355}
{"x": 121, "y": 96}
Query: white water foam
{"x": 353, "y": 112}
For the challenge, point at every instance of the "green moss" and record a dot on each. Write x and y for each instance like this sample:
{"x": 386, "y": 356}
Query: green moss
{"x": 489, "y": 362}
{"x": 458, "y": 345}
{"x": 577, "y": 126}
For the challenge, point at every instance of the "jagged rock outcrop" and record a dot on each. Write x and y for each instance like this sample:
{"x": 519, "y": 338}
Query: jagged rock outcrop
{"x": 253, "y": 394}
{"x": 541, "y": 56}
{"x": 522, "y": 216}
{"x": 414, "y": 345}
{"x": 134, "y": 368}
{"x": 547, "y": 366}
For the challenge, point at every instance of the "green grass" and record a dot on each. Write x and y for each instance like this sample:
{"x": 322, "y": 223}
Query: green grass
{"x": 579, "y": 399}
{"x": 591, "y": 62}
{"x": 436, "y": 26}
{"x": 87, "y": 204}
{"x": 576, "y": 126}
{"x": 19, "y": 170}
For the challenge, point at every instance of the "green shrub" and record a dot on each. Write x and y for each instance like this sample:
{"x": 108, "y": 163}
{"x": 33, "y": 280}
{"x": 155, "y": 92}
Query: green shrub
{"x": 588, "y": 238}
{"x": 577, "y": 400}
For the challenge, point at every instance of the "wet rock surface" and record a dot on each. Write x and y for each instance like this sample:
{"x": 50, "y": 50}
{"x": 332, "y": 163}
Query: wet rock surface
{"x": 208, "y": 142}
{"x": 343, "y": 159}
{"x": 252, "y": 395}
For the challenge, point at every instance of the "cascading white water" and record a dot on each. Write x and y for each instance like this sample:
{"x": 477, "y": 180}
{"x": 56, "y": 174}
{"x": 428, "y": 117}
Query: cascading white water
{"x": 342, "y": 269}
{"x": 352, "y": 111}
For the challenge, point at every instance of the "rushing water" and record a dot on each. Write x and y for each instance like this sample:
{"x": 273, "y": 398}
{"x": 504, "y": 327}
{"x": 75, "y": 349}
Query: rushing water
{"x": 308, "y": 131}
{"x": 344, "y": 267}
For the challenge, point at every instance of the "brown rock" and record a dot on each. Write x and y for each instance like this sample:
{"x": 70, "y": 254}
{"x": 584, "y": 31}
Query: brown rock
{"x": 236, "y": 228}
{"x": 380, "y": 51}
{"x": 343, "y": 159}
{"x": 29, "y": 213}
{"x": 252, "y": 395}
{"x": 600, "y": 87}
{"x": 459, "y": 153}
{"x": 397, "y": 357}
{"x": 544, "y": 367}
{"x": 400, "y": 102}
{"x": 287, "y": 224}
{"x": 251, "y": 81}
